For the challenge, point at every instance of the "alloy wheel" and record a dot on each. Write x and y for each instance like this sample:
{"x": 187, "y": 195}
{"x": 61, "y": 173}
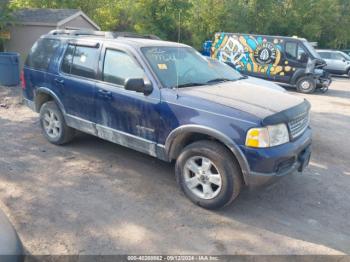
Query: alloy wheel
{"x": 202, "y": 177}
{"x": 52, "y": 124}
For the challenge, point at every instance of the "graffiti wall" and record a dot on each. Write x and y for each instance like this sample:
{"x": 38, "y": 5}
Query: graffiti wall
{"x": 256, "y": 54}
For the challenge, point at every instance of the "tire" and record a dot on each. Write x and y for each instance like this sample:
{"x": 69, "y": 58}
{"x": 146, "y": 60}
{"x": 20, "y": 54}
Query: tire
{"x": 53, "y": 124}
{"x": 349, "y": 73}
{"x": 306, "y": 85}
{"x": 222, "y": 165}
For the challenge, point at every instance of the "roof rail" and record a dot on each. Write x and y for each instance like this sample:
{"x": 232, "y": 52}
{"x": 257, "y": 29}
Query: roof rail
{"x": 60, "y": 32}
{"x": 135, "y": 35}
{"x": 105, "y": 34}
{"x": 84, "y": 32}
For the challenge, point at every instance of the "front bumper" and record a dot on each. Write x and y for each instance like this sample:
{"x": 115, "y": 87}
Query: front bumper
{"x": 269, "y": 164}
{"x": 324, "y": 81}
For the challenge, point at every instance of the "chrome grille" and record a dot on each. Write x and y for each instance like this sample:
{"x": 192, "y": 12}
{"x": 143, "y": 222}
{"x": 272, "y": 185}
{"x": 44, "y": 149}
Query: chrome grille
{"x": 298, "y": 125}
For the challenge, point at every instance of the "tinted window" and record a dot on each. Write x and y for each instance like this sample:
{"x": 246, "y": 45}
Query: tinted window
{"x": 301, "y": 53}
{"x": 41, "y": 53}
{"x": 291, "y": 50}
{"x": 67, "y": 59}
{"x": 119, "y": 66}
{"x": 295, "y": 51}
{"x": 84, "y": 61}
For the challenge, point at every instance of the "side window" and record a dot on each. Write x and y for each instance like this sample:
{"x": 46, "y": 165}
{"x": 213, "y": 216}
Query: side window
{"x": 119, "y": 66}
{"x": 41, "y": 53}
{"x": 291, "y": 50}
{"x": 325, "y": 55}
{"x": 301, "y": 54}
{"x": 67, "y": 59}
{"x": 85, "y": 60}
{"x": 337, "y": 56}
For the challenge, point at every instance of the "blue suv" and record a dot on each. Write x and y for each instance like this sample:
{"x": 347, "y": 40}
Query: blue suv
{"x": 165, "y": 99}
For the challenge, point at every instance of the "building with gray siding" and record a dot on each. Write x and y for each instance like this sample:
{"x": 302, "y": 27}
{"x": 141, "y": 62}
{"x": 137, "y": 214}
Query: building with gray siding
{"x": 30, "y": 24}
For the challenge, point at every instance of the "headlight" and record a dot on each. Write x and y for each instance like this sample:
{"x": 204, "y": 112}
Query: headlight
{"x": 267, "y": 136}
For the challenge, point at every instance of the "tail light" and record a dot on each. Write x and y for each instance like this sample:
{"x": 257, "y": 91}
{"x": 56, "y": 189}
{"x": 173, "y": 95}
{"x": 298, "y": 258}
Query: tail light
{"x": 23, "y": 81}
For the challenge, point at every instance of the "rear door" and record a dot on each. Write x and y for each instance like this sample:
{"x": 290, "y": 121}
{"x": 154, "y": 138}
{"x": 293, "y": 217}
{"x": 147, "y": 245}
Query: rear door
{"x": 77, "y": 80}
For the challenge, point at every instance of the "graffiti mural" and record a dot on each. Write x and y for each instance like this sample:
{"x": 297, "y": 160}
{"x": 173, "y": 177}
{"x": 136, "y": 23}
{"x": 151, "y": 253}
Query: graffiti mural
{"x": 250, "y": 53}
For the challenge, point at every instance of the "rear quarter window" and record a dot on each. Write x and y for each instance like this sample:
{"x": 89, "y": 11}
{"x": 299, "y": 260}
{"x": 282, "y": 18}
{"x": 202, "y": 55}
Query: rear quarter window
{"x": 41, "y": 53}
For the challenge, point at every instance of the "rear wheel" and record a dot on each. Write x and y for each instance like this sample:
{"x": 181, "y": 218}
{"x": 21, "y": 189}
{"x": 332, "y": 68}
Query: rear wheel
{"x": 306, "y": 84}
{"x": 208, "y": 174}
{"x": 53, "y": 125}
{"x": 349, "y": 73}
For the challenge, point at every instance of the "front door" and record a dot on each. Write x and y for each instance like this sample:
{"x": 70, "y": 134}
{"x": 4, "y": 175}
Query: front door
{"x": 339, "y": 64}
{"x": 295, "y": 59}
{"x": 126, "y": 117}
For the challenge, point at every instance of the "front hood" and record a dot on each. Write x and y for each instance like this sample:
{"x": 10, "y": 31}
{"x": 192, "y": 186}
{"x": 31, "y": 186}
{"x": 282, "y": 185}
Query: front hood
{"x": 245, "y": 96}
{"x": 264, "y": 83}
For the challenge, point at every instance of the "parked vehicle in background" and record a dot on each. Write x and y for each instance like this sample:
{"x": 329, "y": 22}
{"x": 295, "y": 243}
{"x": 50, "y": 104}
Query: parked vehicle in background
{"x": 346, "y": 51}
{"x": 166, "y": 100}
{"x": 287, "y": 60}
{"x": 338, "y": 62}
{"x": 248, "y": 79}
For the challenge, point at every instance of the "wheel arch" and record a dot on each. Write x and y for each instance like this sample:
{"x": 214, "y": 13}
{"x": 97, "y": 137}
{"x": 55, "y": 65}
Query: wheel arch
{"x": 42, "y": 95}
{"x": 299, "y": 73}
{"x": 187, "y": 134}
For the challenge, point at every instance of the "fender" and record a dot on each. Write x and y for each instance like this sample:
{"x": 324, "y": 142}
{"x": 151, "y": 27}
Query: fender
{"x": 297, "y": 74}
{"x": 52, "y": 94}
{"x": 179, "y": 133}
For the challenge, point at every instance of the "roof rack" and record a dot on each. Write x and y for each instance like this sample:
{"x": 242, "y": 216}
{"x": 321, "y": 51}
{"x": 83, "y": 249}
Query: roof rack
{"x": 105, "y": 34}
{"x": 135, "y": 35}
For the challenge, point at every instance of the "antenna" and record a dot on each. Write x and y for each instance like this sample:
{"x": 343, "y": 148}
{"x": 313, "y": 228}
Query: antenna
{"x": 178, "y": 54}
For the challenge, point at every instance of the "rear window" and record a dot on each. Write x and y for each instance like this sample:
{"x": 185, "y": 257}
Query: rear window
{"x": 41, "y": 53}
{"x": 80, "y": 61}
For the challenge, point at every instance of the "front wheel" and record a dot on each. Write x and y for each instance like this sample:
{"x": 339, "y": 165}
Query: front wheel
{"x": 306, "y": 85}
{"x": 208, "y": 174}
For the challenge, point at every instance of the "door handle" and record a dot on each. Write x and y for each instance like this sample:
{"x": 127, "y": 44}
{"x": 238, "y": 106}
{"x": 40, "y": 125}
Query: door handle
{"x": 105, "y": 93}
{"x": 59, "y": 81}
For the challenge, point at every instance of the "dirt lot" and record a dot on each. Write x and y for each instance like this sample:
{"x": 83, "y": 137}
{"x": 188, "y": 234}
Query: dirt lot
{"x": 94, "y": 197}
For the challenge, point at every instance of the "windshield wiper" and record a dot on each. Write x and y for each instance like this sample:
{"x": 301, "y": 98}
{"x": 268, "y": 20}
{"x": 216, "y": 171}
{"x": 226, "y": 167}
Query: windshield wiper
{"x": 243, "y": 77}
{"x": 215, "y": 80}
{"x": 189, "y": 84}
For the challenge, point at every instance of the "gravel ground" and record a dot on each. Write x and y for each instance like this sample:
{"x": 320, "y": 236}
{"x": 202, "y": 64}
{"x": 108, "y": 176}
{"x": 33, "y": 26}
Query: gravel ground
{"x": 94, "y": 197}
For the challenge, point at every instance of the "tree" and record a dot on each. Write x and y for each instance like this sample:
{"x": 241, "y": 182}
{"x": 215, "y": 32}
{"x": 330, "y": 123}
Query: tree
{"x": 5, "y": 20}
{"x": 159, "y": 17}
{"x": 324, "y": 21}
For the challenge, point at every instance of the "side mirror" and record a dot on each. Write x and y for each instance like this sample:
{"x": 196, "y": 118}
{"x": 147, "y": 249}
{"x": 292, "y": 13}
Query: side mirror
{"x": 138, "y": 85}
{"x": 303, "y": 57}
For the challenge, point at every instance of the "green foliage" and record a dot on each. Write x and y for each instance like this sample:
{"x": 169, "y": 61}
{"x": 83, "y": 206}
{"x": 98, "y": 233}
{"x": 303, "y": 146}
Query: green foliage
{"x": 5, "y": 19}
{"x": 324, "y": 21}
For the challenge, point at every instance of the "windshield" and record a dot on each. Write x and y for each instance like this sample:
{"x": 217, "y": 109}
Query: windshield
{"x": 312, "y": 50}
{"x": 184, "y": 66}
